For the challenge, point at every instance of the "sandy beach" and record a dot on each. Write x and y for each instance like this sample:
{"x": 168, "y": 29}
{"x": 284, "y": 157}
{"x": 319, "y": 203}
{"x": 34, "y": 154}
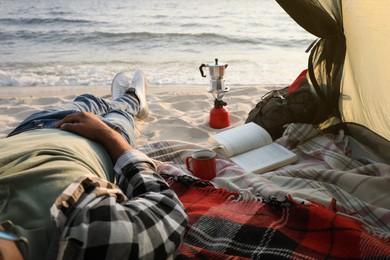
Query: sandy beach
{"x": 176, "y": 113}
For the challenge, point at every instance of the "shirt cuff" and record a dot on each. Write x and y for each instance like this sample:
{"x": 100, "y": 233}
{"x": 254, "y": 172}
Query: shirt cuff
{"x": 132, "y": 157}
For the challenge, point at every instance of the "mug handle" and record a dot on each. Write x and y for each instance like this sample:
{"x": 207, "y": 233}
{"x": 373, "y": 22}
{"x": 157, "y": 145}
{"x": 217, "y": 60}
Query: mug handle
{"x": 188, "y": 163}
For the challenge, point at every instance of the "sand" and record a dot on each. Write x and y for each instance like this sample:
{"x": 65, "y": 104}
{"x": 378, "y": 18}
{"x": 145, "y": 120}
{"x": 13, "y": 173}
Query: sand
{"x": 175, "y": 113}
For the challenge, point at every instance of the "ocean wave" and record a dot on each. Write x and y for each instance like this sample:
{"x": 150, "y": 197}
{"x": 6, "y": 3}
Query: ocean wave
{"x": 182, "y": 37}
{"x": 161, "y": 73}
{"x": 111, "y": 38}
{"x": 40, "y": 21}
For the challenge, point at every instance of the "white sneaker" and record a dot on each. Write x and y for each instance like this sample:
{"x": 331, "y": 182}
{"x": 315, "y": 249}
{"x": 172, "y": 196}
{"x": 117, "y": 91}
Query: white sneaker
{"x": 119, "y": 85}
{"x": 139, "y": 86}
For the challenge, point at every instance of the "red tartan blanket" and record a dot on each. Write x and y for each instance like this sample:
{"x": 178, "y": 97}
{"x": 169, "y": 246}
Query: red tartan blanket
{"x": 231, "y": 225}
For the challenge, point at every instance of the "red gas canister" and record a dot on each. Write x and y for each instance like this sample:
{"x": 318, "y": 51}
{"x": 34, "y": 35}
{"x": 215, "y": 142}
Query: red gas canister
{"x": 219, "y": 116}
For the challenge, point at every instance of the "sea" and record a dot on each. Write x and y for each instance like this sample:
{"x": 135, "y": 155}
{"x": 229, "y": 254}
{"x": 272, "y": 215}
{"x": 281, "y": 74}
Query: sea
{"x": 65, "y": 43}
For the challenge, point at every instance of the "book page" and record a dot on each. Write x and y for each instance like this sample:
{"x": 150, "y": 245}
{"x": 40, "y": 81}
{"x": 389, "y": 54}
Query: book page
{"x": 242, "y": 138}
{"x": 265, "y": 158}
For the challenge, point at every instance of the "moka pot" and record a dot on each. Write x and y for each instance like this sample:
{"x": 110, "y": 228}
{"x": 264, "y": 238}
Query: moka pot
{"x": 217, "y": 72}
{"x": 219, "y": 116}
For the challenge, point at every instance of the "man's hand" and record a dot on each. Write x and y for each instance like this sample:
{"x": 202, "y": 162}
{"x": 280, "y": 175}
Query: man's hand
{"x": 90, "y": 126}
{"x": 84, "y": 124}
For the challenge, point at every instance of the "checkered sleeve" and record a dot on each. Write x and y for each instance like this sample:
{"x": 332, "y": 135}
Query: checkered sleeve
{"x": 158, "y": 213}
{"x": 144, "y": 219}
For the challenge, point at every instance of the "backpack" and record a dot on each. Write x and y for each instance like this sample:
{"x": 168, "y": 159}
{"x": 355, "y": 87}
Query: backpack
{"x": 293, "y": 104}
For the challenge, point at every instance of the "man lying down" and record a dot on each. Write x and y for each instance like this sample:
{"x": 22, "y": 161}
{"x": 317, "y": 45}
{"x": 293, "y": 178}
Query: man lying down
{"x": 58, "y": 199}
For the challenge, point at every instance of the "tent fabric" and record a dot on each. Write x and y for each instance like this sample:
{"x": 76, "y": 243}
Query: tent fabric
{"x": 324, "y": 20}
{"x": 349, "y": 64}
{"x": 365, "y": 86}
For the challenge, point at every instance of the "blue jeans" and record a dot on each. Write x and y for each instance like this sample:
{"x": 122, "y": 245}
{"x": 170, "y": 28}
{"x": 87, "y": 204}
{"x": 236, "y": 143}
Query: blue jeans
{"x": 118, "y": 114}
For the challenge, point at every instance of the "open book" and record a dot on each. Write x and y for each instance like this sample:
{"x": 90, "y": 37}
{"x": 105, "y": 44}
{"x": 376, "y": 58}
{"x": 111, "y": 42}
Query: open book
{"x": 251, "y": 147}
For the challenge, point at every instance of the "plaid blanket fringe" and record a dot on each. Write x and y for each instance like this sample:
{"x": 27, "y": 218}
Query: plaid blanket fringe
{"x": 240, "y": 225}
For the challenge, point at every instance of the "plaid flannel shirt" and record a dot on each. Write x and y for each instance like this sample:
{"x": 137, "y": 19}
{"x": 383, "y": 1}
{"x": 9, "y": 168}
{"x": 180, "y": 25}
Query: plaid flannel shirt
{"x": 139, "y": 218}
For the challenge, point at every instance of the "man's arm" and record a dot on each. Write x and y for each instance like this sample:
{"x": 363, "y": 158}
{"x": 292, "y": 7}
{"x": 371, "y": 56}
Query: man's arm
{"x": 149, "y": 223}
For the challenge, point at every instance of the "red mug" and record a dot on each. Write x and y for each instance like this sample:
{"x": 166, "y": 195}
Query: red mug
{"x": 202, "y": 164}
